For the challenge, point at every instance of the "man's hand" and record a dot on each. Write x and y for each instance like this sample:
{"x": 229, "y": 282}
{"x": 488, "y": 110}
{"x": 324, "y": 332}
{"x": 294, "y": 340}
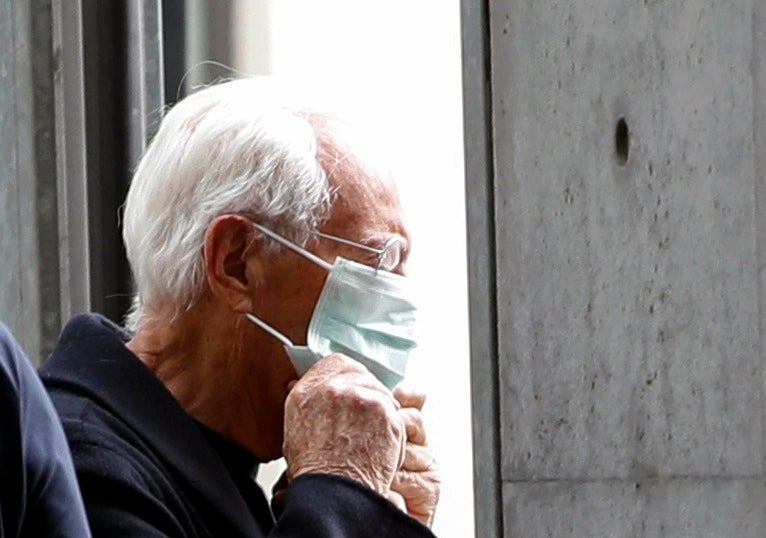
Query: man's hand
{"x": 415, "y": 488}
{"x": 339, "y": 419}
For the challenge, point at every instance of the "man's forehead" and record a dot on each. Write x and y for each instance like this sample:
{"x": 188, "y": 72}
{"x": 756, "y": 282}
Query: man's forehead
{"x": 356, "y": 160}
{"x": 369, "y": 198}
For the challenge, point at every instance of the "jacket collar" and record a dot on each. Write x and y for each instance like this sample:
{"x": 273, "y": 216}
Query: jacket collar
{"x": 91, "y": 358}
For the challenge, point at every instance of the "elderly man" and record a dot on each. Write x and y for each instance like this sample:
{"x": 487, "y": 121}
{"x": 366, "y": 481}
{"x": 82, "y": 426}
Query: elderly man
{"x": 264, "y": 246}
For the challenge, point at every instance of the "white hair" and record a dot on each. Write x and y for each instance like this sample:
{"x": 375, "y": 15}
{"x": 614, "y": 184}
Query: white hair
{"x": 227, "y": 149}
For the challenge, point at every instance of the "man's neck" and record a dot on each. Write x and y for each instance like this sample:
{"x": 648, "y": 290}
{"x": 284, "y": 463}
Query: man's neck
{"x": 204, "y": 363}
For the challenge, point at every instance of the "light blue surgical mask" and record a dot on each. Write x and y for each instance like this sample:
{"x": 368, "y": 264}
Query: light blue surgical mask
{"x": 362, "y": 312}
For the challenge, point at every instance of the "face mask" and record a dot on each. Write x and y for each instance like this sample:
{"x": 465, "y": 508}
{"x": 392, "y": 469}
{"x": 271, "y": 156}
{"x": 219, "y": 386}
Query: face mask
{"x": 363, "y": 313}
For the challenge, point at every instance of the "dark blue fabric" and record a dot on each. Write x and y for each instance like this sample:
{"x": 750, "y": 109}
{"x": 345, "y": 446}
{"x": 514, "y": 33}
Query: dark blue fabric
{"x": 38, "y": 488}
{"x": 146, "y": 468}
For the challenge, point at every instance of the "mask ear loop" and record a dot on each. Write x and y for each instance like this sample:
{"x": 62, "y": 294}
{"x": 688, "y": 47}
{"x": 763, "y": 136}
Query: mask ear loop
{"x": 295, "y": 248}
{"x": 271, "y": 330}
{"x": 292, "y": 246}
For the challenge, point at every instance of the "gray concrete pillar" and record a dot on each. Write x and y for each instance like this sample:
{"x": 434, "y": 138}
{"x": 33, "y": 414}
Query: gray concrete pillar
{"x": 626, "y": 184}
{"x": 30, "y": 302}
{"x": 47, "y": 199}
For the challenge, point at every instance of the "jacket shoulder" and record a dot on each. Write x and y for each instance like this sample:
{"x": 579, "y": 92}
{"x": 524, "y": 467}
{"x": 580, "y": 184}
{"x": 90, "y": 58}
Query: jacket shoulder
{"x": 126, "y": 488}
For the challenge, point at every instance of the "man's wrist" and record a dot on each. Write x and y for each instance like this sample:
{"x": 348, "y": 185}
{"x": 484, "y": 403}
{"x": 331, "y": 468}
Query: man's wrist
{"x": 377, "y": 484}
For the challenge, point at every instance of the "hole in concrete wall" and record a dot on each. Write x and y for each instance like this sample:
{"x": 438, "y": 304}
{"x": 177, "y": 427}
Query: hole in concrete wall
{"x": 622, "y": 141}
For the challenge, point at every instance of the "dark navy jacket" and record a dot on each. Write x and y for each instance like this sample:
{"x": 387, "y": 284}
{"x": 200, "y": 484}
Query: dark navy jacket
{"x": 146, "y": 468}
{"x": 38, "y": 488}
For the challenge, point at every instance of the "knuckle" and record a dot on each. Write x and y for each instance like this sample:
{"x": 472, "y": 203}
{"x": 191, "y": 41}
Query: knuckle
{"x": 345, "y": 362}
{"x": 373, "y": 406}
{"x": 300, "y": 389}
{"x": 335, "y": 388}
{"x": 292, "y": 401}
{"x": 352, "y": 395}
{"x": 380, "y": 412}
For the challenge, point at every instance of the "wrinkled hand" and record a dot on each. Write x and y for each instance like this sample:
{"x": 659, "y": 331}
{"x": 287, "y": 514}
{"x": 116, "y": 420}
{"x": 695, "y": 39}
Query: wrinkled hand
{"x": 339, "y": 419}
{"x": 416, "y": 485}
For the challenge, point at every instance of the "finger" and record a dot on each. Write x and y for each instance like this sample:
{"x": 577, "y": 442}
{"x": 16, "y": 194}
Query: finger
{"x": 418, "y": 458}
{"x": 413, "y": 422}
{"x": 397, "y": 500}
{"x": 409, "y": 397}
{"x": 420, "y": 491}
{"x": 416, "y": 484}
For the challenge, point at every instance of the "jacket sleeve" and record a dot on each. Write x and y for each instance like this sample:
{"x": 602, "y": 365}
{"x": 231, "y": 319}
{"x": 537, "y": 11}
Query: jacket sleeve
{"x": 327, "y": 505}
{"x": 38, "y": 488}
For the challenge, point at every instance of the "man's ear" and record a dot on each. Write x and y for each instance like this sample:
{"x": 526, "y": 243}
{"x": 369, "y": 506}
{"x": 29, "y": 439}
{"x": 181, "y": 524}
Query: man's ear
{"x": 231, "y": 264}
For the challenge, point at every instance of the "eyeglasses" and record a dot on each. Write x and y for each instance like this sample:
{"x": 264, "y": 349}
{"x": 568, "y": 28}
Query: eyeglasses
{"x": 388, "y": 257}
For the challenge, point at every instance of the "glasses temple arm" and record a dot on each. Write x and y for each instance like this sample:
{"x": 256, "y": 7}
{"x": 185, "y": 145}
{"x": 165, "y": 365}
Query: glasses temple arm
{"x": 349, "y": 242}
{"x": 292, "y": 246}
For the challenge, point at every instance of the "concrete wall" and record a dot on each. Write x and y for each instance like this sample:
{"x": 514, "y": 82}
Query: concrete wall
{"x": 44, "y": 274}
{"x": 51, "y": 204}
{"x": 29, "y": 269}
{"x": 627, "y": 293}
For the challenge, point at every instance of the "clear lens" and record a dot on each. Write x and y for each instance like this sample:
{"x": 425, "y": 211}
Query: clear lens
{"x": 391, "y": 255}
